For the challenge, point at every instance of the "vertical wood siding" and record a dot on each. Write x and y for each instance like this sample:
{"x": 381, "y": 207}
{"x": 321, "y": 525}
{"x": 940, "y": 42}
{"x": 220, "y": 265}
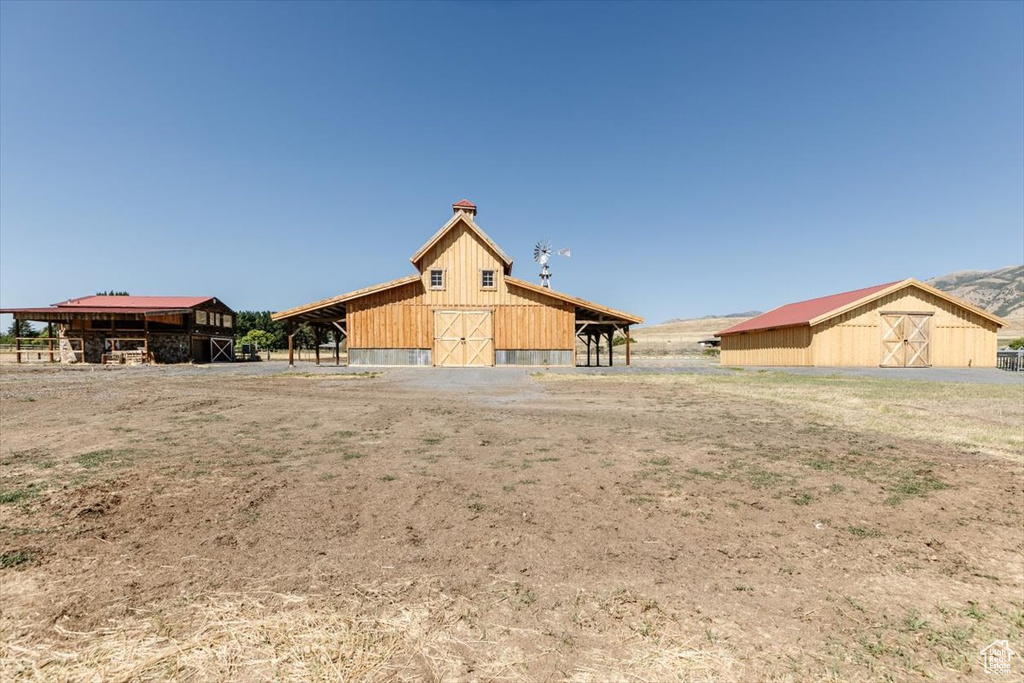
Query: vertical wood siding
{"x": 785, "y": 346}
{"x": 959, "y": 337}
{"x": 403, "y": 317}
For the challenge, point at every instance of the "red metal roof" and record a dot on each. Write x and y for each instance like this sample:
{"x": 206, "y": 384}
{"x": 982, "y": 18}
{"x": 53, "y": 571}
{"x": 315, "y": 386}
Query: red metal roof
{"x": 135, "y": 302}
{"x": 71, "y": 310}
{"x": 466, "y": 203}
{"x": 802, "y": 312}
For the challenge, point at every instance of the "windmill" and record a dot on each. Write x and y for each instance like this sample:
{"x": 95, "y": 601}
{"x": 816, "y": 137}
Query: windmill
{"x": 542, "y": 254}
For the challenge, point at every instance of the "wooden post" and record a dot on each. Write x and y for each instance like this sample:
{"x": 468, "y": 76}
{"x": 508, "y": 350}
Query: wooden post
{"x": 17, "y": 341}
{"x": 588, "y": 349}
{"x": 316, "y": 340}
{"x": 291, "y": 346}
{"x": 611, "y": 333}
{"x": 627, "y": 344}
{"x": 49, "y": 339}
{"x": 145, "y": 343}
{"x": 597, "y": 348}
{"x": 337, "y": 346}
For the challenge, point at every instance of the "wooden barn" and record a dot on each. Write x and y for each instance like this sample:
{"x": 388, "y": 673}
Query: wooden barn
{"x": 895, "y": 325}
{"x": 161, "y": 329}
{"x": 461, "y": 308}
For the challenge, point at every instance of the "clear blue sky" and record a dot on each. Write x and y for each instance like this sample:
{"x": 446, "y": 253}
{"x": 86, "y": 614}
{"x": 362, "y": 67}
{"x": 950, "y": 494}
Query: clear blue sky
{"x": 697, "y": 158}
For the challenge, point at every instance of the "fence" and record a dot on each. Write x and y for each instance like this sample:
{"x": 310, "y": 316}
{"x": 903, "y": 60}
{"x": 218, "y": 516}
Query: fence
{"x": 1010, "y": 360}
{"x": 49, "y": 349}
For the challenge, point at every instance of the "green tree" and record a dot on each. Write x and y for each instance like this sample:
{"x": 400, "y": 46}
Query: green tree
{"x": 261, "y": 338}
{"x": 113, "y": 293}
{"x": 1017, "y": 344}
{"x": 21, "y": 328}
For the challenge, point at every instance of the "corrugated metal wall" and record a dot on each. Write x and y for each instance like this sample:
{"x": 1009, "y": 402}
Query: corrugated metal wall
{"x": 389, "y": 357}
{"x": 533, "y": 357}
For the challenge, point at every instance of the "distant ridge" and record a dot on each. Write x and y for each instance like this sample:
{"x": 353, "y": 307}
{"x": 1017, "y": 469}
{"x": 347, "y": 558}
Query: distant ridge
{"x": 744, "y": 314}
{"x": 999, "y": 291}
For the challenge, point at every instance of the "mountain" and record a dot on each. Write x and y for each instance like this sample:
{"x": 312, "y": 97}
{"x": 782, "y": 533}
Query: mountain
{"x": 999, "y": 291}
{"x": 744, "y": 315}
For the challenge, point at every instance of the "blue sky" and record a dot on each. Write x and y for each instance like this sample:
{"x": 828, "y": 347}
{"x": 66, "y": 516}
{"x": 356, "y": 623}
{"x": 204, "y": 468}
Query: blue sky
{"x": 697, "y": 158}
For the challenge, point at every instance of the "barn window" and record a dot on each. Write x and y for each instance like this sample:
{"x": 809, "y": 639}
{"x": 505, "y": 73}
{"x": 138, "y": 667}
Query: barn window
{"x": 487, "y": 279}
{"x": 437, "y": 279}
{"x": 200, "y": 317}
{"x": 227, "y": 320}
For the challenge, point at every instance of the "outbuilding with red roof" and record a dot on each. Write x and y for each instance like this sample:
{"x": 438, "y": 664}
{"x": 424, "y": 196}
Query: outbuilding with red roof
{"x": 103, "y": 328}
{"x": 897, "y": 324}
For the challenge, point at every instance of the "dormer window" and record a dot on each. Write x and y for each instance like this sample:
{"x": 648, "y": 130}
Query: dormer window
{"x": 487, "y": 279}
{"x": 437, "y": 278}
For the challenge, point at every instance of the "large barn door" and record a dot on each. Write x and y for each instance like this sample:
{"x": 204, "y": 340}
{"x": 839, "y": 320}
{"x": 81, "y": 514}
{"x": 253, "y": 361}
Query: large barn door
{"x": 892, "y": 340}
{"x": 906, "y": 342}
{"x": 448, "y": 346}
{"x": 479, "y": 335}
{"x": 918, "y": 346}
{"x": 463, "y": 338}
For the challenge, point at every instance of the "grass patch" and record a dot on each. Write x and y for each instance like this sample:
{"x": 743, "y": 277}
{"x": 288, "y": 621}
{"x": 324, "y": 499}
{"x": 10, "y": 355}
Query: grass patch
{"x": 349, "y": 455}
{"x": 11, "y": 496}
{"x": 15, "y": 558}
{"x": 864, "y": 532}
{"x": 803, "y": 498}
{"x": 913, "y": 485}
{"x": 107, "y": 456}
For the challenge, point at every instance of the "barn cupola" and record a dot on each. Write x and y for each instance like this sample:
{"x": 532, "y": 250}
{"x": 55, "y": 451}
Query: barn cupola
{"x": 464, "y": 205}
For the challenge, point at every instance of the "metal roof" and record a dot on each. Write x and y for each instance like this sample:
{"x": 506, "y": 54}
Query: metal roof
{"x": 145, "y": 302}
{"x": 816, "y": 311}
{"x": 803, "y": 312}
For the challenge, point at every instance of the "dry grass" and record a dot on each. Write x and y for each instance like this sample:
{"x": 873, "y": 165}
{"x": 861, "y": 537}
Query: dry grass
{"x": 405, "y": 630}
{"x": 979, "y": 417}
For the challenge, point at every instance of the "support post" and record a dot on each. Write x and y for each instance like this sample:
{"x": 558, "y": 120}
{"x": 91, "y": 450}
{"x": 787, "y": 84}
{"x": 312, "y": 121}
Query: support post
{"x": 627, "y": 344}
{"x": 17, "y": 341}
{"x": 588, "y": 349}
{"x": 597, "y": 349}
{"x": 145, "y": 352}
{"x": 611, "y": 333}
{"x": 291, "y": 346}
{"x": 49, "y": 339}
{"x": 337, "y": 347}
{"x": 316, "y": 340}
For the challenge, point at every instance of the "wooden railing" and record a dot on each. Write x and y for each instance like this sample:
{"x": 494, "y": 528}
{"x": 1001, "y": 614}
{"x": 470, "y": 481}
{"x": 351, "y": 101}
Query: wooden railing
{"x": 24, "y": 347}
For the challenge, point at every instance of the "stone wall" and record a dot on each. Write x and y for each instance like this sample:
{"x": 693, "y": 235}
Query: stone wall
{"x": 165, "y": 347}
{"x": 170, "y": 347}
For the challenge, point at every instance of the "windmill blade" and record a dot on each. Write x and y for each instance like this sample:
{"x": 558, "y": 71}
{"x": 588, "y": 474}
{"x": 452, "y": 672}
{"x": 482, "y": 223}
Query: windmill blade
{"x": 565, "y": 252}
{"x": 542, "y": 251}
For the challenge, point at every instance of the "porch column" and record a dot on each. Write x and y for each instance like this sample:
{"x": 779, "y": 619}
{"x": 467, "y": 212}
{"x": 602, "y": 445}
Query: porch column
{"x": 316, "y": 340}
{"x": 291, "y": 345}
{"x": 627, "y": 344}
{"x": 611, "y": 334}
{"x": 49, "y": 339}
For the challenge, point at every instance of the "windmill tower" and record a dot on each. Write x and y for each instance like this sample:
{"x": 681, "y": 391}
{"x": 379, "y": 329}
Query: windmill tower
{"x": 542, "y": 254}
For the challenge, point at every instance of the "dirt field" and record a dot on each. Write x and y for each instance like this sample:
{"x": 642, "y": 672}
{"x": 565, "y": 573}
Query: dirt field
{"x": 209, "y": 524}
